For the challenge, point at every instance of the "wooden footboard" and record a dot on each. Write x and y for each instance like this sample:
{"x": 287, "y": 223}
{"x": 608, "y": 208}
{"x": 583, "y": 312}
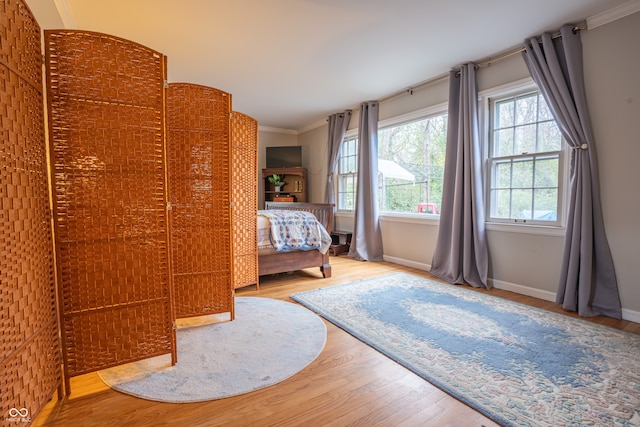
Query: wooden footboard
{"x": 291, "y": 261}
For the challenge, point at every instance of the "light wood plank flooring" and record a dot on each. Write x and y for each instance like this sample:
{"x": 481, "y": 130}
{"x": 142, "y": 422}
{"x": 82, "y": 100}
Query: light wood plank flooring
{"x": 348, "y": 384}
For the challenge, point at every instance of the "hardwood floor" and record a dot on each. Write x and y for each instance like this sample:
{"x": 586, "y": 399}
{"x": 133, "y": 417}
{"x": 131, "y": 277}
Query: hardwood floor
{"x": 348, "y": 384}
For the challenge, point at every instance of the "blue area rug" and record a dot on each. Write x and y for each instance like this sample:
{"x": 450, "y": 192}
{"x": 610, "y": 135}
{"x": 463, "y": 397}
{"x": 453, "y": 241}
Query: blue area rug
{"x": 518, "y": 365}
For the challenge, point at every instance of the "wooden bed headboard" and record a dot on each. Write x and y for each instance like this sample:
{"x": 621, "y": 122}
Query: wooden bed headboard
{"x": 322, "y": 211}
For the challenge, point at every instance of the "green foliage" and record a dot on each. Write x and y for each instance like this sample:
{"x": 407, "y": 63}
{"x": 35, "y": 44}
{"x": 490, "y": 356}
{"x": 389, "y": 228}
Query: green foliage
{"x": 276, "y": 180}
{"x": 419, "y": 147}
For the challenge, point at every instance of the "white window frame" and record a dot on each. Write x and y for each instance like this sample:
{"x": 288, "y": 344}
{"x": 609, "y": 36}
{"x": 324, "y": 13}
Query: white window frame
{"x": 528, "y": 226}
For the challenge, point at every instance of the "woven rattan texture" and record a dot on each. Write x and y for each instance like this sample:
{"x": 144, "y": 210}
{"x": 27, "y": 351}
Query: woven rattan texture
{"x": 244, "y": 197}
{"x": 199, "y": 188}
{"x": 20, "y": 43}
{"x": 29, "y": 345}
{"x": 106, "y": 127}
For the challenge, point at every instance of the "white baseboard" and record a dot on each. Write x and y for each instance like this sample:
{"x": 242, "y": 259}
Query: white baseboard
{"x": 523, "y": 290}
{"x": 407, "y": 263}
{"x": 630, "y": 315}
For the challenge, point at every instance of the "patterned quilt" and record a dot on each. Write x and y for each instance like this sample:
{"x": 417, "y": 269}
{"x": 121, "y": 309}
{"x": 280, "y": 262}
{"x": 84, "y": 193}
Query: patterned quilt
{"x": 291, "y": 230}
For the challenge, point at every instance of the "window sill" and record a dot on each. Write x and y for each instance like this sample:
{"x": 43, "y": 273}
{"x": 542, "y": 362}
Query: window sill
{"x": 412, "y": 218}
{"x": 540, "y": 230}
{"x": 417, "y": 218}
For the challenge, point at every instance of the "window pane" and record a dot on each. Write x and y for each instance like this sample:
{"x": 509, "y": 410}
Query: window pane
{"x": 501, "y": 206}
{"x": 347, "y": 165}
{"x": 342, "y": 168}
{"x": 344, "y": 202}
{"x": 351, "y": 184}
{"x": 545, "y": 204}
{"x": 346, "y": 194}
{"x": 503, "y": 142}
{"x": 346, "y": 183}
{"x": 504, "y": 114}
{"x": 502, "y": 173}
{"x": 546, "y": 172}
{"x": 526, "y": 109}
{"x": 347, "y": 147}
{"x": 522, "y": 174}
{"x": 549, "y": 137}
{"x": 521, "y": 201}
{"x": 525, "y": 139}
{"x": 545, "y": 112}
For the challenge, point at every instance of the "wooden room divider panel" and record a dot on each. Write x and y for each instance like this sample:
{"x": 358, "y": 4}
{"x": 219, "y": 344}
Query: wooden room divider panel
{"x": 29, "y": 344}
{"x": 199, "y": 188}
{"x": 107, "y": 145}
{"x": 244, "y": 198}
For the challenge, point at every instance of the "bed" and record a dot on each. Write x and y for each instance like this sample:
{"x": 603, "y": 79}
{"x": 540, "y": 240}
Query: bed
{"x": 272, "y": 262}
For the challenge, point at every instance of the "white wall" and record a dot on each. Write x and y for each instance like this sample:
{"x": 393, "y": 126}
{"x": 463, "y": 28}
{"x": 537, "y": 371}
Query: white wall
{"x": 314, "y": 158}
{"x": 525, "y": 262}
{"x": 612, "y": 70}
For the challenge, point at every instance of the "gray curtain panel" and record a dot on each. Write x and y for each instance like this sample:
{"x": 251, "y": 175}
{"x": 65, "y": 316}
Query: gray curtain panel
{"x": 366, "y": 240}
{"x": 461, "y": 255}
{"x": 587, "y": 282}
{"x": 338, "y": 124}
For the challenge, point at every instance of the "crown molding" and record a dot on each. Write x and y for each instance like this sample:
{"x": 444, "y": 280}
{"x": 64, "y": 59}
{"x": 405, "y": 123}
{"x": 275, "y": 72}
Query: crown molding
{"x": 313, "y": 126}
{"x": 277, "y": 130}
{"x": 65, "y": 14}
{"x": 619, "y": 12}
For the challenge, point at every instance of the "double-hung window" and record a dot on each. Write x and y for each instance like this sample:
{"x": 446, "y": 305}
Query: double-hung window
{"x": 525, "y": 162}
{"x": 347, "y": 174}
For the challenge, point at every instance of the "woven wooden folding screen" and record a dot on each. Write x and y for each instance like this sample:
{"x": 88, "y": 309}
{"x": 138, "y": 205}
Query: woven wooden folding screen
{"x": 29, "y": 344}
{"x": 244, "y": 198}
{"x": 107, "y": 144}
{"x": 199, "y": 188}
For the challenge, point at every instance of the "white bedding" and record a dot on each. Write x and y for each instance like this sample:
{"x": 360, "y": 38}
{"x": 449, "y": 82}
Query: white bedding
{"x": 264, "y": 232}
{"x": 307, "y": 232}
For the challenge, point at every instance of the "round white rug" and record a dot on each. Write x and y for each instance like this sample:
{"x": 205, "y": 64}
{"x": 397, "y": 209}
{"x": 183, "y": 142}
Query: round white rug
{"x": 269, "y": 341}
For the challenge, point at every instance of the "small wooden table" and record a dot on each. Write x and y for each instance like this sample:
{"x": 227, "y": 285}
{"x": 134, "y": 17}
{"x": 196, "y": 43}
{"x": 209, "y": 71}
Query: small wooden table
{"x": 340, "y": 242}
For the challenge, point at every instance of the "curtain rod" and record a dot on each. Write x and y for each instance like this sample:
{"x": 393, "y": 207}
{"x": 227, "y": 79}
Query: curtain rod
{"x": 482, "y": 64}
{"x": 420, "y": 85}
{"x": 507, "y": 54}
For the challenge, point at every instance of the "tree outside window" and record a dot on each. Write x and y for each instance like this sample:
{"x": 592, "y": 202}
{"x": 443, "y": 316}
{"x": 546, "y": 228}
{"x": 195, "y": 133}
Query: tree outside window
{"x": 411, "y": 165}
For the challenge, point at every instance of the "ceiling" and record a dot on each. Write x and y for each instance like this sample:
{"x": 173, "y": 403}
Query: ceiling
{"x": 291, "y": 63}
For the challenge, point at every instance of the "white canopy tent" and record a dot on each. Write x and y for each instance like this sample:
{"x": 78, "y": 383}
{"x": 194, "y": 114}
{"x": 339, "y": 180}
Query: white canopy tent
{"x": 390, "y": 169}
